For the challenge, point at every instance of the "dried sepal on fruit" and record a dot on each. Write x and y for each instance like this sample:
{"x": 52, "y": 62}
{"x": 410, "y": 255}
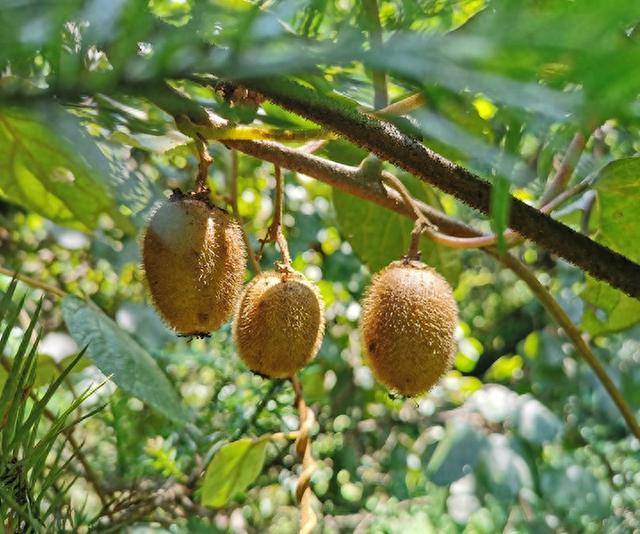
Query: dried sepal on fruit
{"x": 194, "y": 260}
{"x": 408, "y": 324}
{"x": 279, "y": 324}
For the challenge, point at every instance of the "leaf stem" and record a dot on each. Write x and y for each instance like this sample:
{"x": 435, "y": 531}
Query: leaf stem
{"x": 402, "y": 107}
{"x": 558, "y": 313}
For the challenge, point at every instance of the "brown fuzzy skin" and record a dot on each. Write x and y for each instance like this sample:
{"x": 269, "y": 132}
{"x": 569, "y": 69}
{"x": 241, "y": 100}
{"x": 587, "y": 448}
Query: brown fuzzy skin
{"x": 279, "y": 324}
{"x": 408, "y": 323}
{"x": 194, "y": 259}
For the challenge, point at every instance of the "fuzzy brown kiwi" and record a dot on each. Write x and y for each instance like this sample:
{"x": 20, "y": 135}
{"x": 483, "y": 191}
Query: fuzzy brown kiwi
{"x": 408, "y": 324}
{"x": 279, "y": 323}
{"x": 194, "y": 260}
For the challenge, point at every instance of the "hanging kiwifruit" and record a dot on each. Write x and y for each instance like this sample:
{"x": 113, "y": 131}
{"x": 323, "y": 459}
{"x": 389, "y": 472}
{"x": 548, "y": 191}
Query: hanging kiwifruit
{"x": 408, "y": 323}
{"x": 279, "y": 323}
{"x": 194, "y": 259}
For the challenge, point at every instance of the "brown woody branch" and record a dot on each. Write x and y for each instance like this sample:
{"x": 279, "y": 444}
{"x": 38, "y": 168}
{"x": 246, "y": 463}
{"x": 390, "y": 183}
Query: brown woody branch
{"x": 389, "y": 143}
{"x": 354, "y": 181}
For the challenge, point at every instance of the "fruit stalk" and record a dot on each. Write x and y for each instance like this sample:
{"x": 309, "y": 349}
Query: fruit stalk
{"x": 204, "y": 162}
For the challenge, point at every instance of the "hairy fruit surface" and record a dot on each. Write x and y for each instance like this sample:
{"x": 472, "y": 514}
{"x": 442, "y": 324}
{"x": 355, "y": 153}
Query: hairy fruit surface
{"x": 194, "y": 260}
{"x": 279, "y": 323}
{"x": 408, "y": 324}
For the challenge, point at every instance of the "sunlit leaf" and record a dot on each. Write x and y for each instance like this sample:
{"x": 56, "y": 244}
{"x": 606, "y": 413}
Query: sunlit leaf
{"x": 618, "y": 226}
{"x": 232, "y": 470}
{"x": 379, "y": 236}
{"x": 456, "y": 454}
{"x": 117, "y": 355}
{"x": 54, "y": 171}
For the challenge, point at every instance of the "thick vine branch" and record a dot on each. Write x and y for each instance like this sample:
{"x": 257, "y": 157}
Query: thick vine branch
{"x": 351, "y": 180}
{"x": 391, "y": 144}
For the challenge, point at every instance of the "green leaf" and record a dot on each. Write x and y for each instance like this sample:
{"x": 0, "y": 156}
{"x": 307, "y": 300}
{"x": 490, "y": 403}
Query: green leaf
{"x": 458, "y": 451}
{"x": 117, "y": 355}
{"x": 379, "y": 236}
{"x": 231, "y": 471}
{"x": 607, "y": 309}
{"x": 55, "y": 171}
{"x": 617, "y": 221}
{"x": 618, "y": 195}
{"x": 500, "y": 210}
{"x": 502, "y": 468}
{"x": 535, "y": 422}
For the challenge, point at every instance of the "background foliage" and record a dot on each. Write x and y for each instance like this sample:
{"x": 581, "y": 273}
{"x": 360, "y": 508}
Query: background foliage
{"x": 519, "y": 437}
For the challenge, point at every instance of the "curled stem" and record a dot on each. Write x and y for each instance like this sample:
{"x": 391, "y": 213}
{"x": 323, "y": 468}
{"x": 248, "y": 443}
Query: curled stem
{"x": 304, "y": 492}
{"x": 565, "y": 171}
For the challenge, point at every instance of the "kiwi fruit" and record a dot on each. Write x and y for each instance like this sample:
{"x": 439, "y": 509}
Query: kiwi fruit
{"x": 408, "y": 324}
{"x": 279, "y": 323}
{"x": 194, "y": 260}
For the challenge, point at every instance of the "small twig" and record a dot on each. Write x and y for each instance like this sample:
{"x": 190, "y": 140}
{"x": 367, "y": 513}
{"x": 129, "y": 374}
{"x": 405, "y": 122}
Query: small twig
{"x": 512, "y": 238}
{"x": 249, "y": 133}
{"x": 205, "y": 161}
{"x": 304, "y": 492}
{"x": 565, "y": 171}
{"x": 275, "y": 386}
{"x": 233, "y": 187}
{"x": 56, "y": 291}
{"x": 90, "y": 474}
{"x": 590, "y": 200}
{"x": 313, "y": 146}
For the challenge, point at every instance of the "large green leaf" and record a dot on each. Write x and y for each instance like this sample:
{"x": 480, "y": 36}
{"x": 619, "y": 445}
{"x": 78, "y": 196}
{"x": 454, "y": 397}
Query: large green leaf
{"x": 456, "y": 453}
{"x": 117, "y": 355}
{"x": 379, "y": 236}
{"x": 618, "y": 225}
{"x": 50, "y": 167}
{"x": 502, "y": 468}
{"x": 231, "y": 471}
{"x": 533, "y": 421}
